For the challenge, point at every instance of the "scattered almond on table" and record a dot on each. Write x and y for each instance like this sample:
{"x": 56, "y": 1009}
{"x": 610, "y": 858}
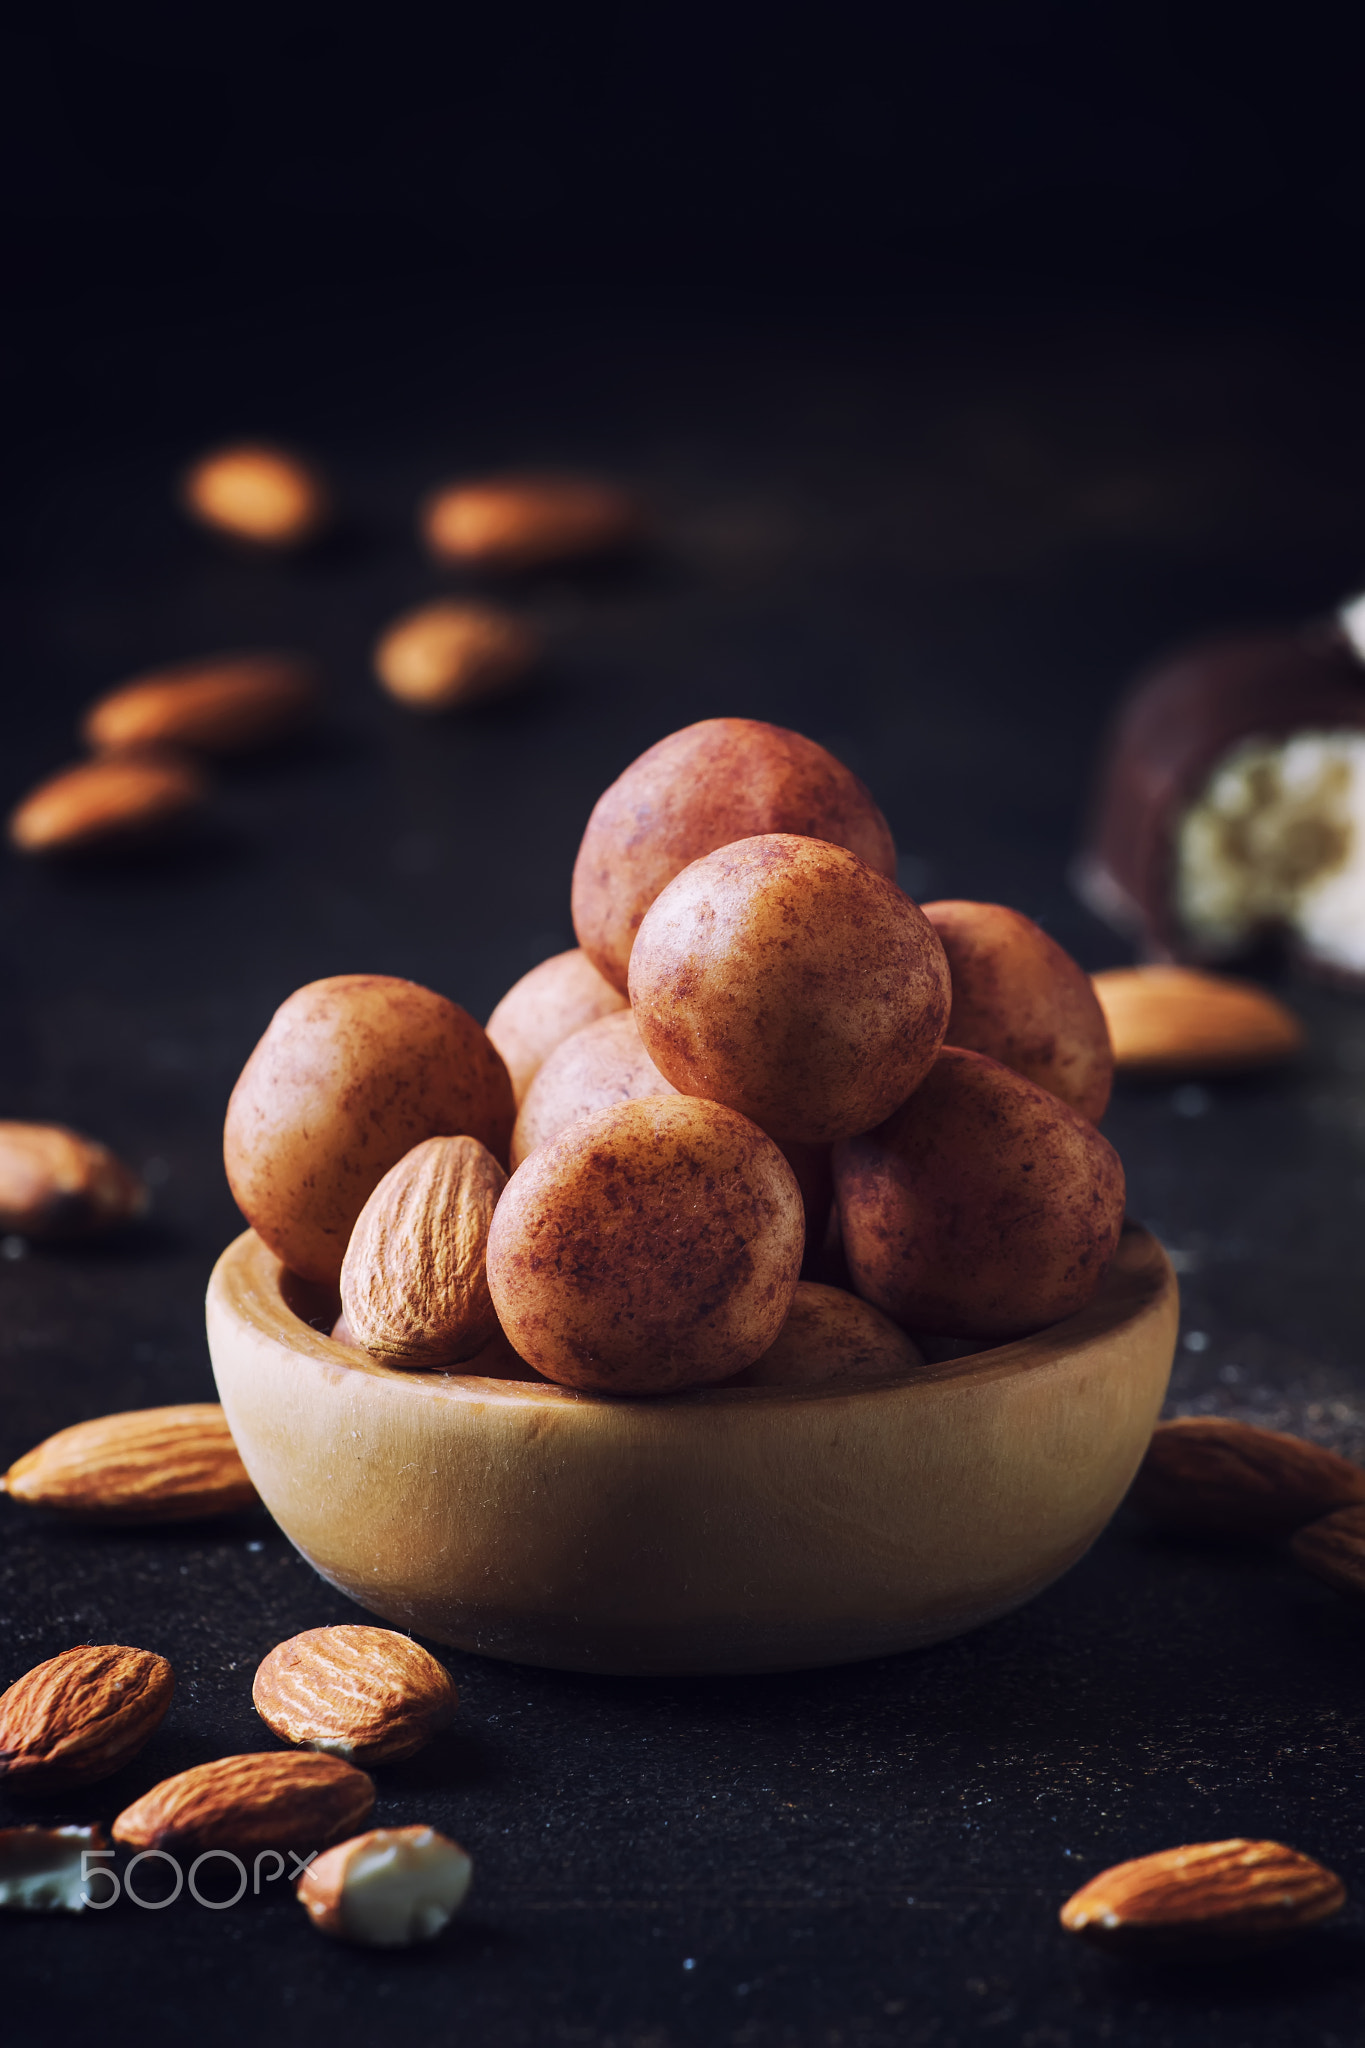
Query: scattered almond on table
{"x": 80, "y": 1716}
{"x": 275, "y": 1799}
{"x": 259, "y": 494}
{"x": 368, "y": 1695}
{"x": 116, "y": 800}
{"x": 388, "y": 1888}
{"x": 443, "y": 656}
{"x": 44, "y": 1870}
{"x": 147, "y": 1465}
{"x": 517, "y": 523}
{"x": 1206, "y": 1475}
{"x": 1207, "y": 1893}
{"x": 222, "y": 704}
{"x": 1176, "y": 1020}
{"x": 54, "y": 1183}
{"x": 1334, "y": 1549}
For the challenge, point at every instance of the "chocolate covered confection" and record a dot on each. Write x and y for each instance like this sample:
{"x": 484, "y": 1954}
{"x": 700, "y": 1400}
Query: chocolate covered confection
{"x": 1231, "y": 804}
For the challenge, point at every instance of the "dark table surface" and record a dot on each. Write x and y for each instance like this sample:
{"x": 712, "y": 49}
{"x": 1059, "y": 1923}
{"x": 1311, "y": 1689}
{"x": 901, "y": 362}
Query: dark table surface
{"x": 938, "y": 545}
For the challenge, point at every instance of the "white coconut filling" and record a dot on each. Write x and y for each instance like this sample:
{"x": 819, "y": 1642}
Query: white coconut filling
{"x": 41, "y": 1868}
{"x": 1276, "y": 841}
{"x": 398, "y": 1891}
{"x": 1351, "y": 619}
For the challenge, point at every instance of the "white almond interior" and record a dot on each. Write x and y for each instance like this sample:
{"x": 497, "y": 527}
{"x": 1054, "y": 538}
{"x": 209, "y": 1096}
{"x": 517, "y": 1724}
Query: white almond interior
{"x": 1276, "y": 841}
{"x": 40, "y": 1868}
{"x": 403, "y": 1887}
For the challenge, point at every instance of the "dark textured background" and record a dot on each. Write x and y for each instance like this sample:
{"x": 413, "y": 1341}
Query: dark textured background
{"x": 968, "y": 358}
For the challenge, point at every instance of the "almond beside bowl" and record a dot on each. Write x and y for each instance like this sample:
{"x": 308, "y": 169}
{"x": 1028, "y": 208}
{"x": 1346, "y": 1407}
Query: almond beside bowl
{"x": 727, "y": 1529}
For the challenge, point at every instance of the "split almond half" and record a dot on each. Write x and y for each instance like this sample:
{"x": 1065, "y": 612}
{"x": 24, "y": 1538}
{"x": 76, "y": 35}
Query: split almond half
{"x": 149, "y": 1465}
{"x": 55, "y": 1183}
{"x": 1206, "y": 1475}
{"x": 1212, "y": 1892}
{"x": 80, "y": 1716}
{"x": 1334, "y": 1549}
{"x": 281, "y": 1799}
{"x": 388, "y": 1888}
{"x": 414, "y": 1282}
{"x": 43, "y": 1870}
{"x": 224, "y": 705}
{"x": 1175, "y": 1020}
{"x": 368, "y": 1695}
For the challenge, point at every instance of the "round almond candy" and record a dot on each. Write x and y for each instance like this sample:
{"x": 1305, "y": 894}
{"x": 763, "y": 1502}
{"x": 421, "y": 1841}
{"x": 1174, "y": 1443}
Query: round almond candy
{"x": 789, "y": 980}
{"x": 367, "y": 1695}
{"x": 652, "y": 1246}
{"x": 544, "y": 1008}
{"x": 704, "y": 787}
{"x": 603, "y": 1063}
{"x": 1023, "y": 1001}
{"x": 833, "y": 1339}
{"x": 352, "y": 1073}
{"x": 983, "y": 1207}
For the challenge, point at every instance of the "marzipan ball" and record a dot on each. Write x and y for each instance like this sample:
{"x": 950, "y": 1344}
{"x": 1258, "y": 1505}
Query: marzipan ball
{"x": 704, "y": 787}
{"x": 544, "y": 1008}
{"x": 791, "y": 981}
{"x": 652, "y": 1246}
{"x": 257, "y": 494}
{"x": 352, "y": 1073}
{"x": 833, "y": 1339}
{"x": 1018, "y": 997}
{"x": 983, "y": 1207}
{"x": 603, "y": 1063}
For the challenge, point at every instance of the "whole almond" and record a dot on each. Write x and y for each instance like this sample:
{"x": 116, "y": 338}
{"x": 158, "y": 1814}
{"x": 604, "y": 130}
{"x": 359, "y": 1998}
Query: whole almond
{"x": 445, "y": 655}
{"x": 80, "y": 1716}
{"x": 1334, "y": 1549}
{"x": 278, "y": 1799}
{"x": 414, "y": 1282}
{"x": 528, "y": 522}
{"x": 1205, "y": 1475}
{"x": 1174, "y": 1020}
{"x": 102, "y": 803}
{"x": 1213, "y": 1892}
{"x": 388, "y": 1888}
{"x": 149, "y": 1465}
{"x": 258, "y": 494}
{"x": 43, "y": 1870}
{"x": 225, "y": 704}
{"x": 55, "y": 1183}
{"x": 367, "y": 1695}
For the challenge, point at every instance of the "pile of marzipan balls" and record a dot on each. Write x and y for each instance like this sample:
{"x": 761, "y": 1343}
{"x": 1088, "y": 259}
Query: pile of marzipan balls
{"x": 773, "y": 1124}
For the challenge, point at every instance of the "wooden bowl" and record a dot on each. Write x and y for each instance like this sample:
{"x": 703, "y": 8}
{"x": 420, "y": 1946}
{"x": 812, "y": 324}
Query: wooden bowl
{"x": 730, "y": 1529}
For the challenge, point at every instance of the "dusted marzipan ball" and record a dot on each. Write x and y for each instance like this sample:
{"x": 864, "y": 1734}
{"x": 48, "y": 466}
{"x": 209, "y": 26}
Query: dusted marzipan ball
{"x": 352, "y": 1073}
{"x": 1022, "y": 1000}
{"x": 788, "y": 979}
{"x": 983, "y": 1207}
{"x": 833, "y": 1339}
{"x": 703, "y": 787}
{"x": 652, "y": 1246}
{"x": 544, "y": 1008}
{"x": 603, "y": 1063}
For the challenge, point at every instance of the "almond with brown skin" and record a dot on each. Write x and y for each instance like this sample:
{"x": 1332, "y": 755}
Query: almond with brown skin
{"x": 226, "y": 704}
{"x": 1175, "y": 1020}
{"x": 1213, "y": 1893}
{"x": 80, "y": 1716}
{"x": 388, "y": 1888}
{"x": 150, "y": 1465}
{"x": 1334, "y": 1549}
{"x": 528, "y": 522}
{"x": 259, "y": 494}
{"x": 55, "y": 1183}
{"x": 414, "y": 1282}
{"x": 119, "y": 798}
{"x": 1205, "y": 1475}
{"x": 367, "y": 1695}
{"x": 445, "y": 655}
{"x": 279, "y": 1799}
